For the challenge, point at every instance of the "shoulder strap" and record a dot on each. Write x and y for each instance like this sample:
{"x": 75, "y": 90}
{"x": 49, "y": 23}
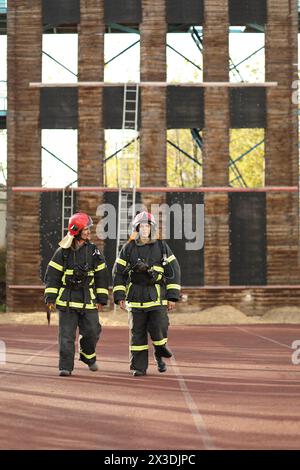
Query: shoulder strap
{"x": 129, "y": 250}
{"x": 163, "y": 249}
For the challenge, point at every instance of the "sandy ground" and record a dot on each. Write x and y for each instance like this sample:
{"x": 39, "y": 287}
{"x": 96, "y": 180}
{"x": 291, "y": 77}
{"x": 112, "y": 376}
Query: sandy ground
{"x": 222, "y": 315}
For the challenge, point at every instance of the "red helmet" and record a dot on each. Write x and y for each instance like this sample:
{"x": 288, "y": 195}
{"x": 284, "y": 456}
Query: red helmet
{"x": 143, "y": 218}
{"x": 79, "y": 221}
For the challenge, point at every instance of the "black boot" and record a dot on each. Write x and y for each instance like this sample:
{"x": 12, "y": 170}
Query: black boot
{"x": 161, "y": 365}
{"x": 163, "y": 351}
{"x": 138, "y": 373}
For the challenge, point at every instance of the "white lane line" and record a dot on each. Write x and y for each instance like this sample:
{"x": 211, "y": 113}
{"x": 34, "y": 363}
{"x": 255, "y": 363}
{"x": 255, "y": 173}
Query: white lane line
{"x": 264, "y": 337}
{"x": 198, "y": 420}
{"x": 11, "y": 371}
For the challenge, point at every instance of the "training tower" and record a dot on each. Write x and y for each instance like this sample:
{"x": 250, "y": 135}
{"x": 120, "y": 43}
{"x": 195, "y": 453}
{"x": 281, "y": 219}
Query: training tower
{"x": 251, "y": 251}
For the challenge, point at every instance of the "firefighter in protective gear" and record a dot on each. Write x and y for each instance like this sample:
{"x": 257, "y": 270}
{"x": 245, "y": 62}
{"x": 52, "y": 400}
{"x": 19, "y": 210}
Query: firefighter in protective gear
{"x": 77, "y": 283}
{"x": 146, "y": 275}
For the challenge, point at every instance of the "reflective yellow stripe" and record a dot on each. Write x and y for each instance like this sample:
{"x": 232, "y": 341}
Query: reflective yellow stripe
{"x": 158, "y": 269}
{"x": 158, "y": 292}
{"x": 171, "y": 258}
{"x": 161, "y": 342}
{"x": 139, "y": 348}
{"x": 92, "y": 294}
{"x": 123, "y": 288}
{"x": 75, "y": 305}
{"x": 121, "y": 261}
{"x": 159, "y": 277}
{"x": 70, "y": 272}
{"x": 51, "y": 290}
{"x": 146, "y": 304}
{"x": 88, "y": 356}
{"x": 100, "y": 267}
{"x": 60, "y": 293}
{"x": 99, "y": 290}
{"x": 57, "y": 266}
{"x": 128, "y": 288}
{"x": 173, "y": 286}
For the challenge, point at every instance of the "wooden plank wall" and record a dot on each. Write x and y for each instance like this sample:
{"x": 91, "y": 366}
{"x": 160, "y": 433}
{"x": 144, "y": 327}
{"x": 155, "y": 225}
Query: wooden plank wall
{"x": 24, "y": 150}
{"x": 153, "y": 31}
{"x": 282, "y": 142}
{"x": 91, "y": 146}
{"x": 216, "y": 142}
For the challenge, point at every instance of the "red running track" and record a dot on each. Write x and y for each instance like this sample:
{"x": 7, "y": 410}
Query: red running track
{"x": 227, "y": 387}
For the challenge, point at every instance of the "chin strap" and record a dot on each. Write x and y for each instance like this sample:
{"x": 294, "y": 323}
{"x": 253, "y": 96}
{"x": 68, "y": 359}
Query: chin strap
{"x": 78, "y": 237}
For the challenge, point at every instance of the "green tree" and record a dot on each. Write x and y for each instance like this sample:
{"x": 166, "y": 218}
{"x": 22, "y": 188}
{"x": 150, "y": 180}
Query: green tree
{"x": 252, "y": 165}
{"x": 181, "y": 170}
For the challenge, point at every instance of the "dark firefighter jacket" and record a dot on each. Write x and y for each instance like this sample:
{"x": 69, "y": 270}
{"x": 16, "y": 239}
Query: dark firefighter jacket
{"x": 66, "y": 263}
{"x": 135, "y": 288}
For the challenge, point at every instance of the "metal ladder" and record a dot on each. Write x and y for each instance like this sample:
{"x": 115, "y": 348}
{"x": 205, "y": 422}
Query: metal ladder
{"x": 67, "y": 209}
{"x": 127, "y": 176}
{"x": 130, "y": 106}
{"x": 126, "y": 202}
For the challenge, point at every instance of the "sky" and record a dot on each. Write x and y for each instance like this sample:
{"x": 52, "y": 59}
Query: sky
{"x": 64, "y": 48}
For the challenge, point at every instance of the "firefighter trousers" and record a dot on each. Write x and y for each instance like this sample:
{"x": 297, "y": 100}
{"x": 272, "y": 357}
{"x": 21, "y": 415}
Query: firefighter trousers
{"x": 141, "y": 322}
{"x": 89, "y": 331}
